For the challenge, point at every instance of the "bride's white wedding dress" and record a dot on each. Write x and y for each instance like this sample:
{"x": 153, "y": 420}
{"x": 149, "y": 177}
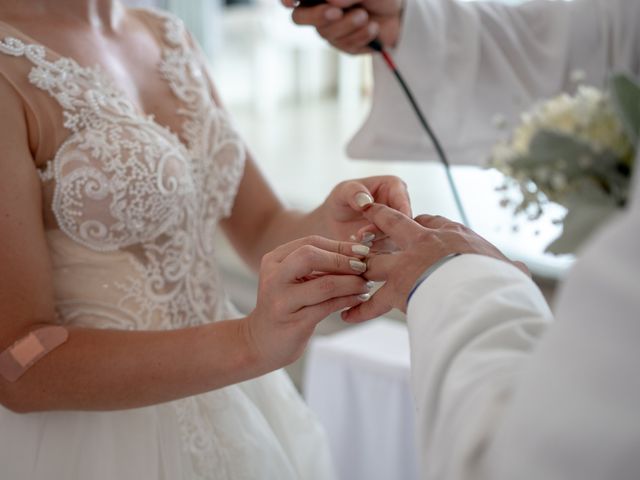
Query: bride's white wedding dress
{"x": 130, "y": 210}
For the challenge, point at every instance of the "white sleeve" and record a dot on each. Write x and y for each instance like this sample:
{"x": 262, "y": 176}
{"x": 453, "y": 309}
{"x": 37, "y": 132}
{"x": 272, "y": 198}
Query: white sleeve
{"x": 499, "y": 400}
{"x": 470, "y": 62}
{"x": 472, "y": 324}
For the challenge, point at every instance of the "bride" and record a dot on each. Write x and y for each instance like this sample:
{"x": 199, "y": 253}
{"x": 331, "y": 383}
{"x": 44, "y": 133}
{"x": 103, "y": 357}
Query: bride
{"x": 118, "y": 163}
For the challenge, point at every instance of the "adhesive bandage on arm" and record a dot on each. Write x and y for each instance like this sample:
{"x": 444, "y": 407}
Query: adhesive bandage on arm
{"x": 24, "y": 353}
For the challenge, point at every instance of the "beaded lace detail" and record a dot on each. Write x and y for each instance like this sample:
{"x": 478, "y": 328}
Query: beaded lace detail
{"x": 125, "y": 183}
{"x": 122, "y": 181}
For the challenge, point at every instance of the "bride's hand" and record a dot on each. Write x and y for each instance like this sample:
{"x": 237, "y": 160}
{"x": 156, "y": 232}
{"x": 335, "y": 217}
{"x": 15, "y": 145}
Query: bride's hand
{"x": 342, "y": 210}
{"x": 301, "y": 283}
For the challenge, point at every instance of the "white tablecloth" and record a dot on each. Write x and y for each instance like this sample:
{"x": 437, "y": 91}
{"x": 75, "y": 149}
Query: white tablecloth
{"x": 357, "y": 382}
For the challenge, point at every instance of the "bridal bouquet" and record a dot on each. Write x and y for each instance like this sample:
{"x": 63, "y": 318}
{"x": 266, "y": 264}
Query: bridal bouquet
{"x": 577, "y": 151}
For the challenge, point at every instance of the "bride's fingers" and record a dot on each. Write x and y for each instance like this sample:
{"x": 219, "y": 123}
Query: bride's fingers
{"x": 345, "y": 248}
{"x": 379, "y": 304}
{"x": 368, "y": 234}
{"x": 313, "y": 315}
{"x": 308, "y": 259}
{"x": 355, "y": 195}
{"x": 327, "y": 287}
{"x": 375, "y": 239}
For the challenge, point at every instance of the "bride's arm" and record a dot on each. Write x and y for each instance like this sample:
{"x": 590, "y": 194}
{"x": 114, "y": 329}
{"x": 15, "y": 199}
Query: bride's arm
{"x": 259, "y": 222}
{"x": 108, "y": 369}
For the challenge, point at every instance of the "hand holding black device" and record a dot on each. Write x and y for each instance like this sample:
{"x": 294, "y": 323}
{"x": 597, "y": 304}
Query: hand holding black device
{"x": 374, "y": 44}
{"x": 378, "y": 47}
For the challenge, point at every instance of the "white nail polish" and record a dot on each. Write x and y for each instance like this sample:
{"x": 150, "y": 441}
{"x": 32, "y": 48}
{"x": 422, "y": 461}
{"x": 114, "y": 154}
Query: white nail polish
{"x": 363, "y": 199}
{"x": 333, "y": 14}
{"x": 368, "y": 237}
{"x": 358, "y": 266}
{"x": 370, "y": 284}
{"x": 364, "y": 297}
{"x": 360, "y": 18}
{"x": 360, "y": 249}
{"x": 367, "y": 244}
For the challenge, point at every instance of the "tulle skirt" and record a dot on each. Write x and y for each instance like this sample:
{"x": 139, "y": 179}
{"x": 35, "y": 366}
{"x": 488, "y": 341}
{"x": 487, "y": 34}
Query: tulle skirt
{"x": 259, "y": 429}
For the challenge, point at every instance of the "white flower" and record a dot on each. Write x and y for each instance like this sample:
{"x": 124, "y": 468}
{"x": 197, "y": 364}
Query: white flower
{"x": 588, "y": 116}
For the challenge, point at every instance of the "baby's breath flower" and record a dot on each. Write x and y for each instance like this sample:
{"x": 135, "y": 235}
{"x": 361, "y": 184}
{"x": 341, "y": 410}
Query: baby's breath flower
{"x": 581, "y": 153}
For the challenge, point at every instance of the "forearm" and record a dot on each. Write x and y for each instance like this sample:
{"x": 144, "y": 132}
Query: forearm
{"x": 111, "y": 370}
{"x": 274, "y": 227}
{"x": 287, "y": 225}
{"x": 260, "y": 222}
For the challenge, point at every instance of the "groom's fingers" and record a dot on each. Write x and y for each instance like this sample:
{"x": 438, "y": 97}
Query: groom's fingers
{"x": 399, "y": 196}
{"x": 380, "y": 266}
{"x": 379, "y": 304}
{"x": 401, "y": 229}
{"x": 432, "y": 221}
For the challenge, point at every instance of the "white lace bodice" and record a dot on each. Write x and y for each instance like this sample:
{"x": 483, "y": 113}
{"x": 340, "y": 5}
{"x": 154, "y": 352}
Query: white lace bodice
{"x": 131, "y": 210}
{"x": 126, "y": 187}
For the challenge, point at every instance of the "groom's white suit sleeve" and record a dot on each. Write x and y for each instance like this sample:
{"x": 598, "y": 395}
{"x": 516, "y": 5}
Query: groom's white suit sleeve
{"x": 469, "y": 62}
{"x": 504, "y": 392}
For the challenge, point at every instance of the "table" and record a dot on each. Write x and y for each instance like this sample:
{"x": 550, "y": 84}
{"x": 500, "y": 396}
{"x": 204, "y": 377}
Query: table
{"x": 357, "y": 382}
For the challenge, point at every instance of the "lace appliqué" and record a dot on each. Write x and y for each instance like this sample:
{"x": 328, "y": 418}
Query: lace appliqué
{"x": 125, "y": 182}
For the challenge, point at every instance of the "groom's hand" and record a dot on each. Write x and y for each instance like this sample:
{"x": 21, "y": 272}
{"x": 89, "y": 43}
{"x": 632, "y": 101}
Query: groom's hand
{"x": 421, "y": 242}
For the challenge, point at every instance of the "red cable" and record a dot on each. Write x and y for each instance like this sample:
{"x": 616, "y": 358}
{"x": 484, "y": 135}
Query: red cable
{"x": 388, "y": 60}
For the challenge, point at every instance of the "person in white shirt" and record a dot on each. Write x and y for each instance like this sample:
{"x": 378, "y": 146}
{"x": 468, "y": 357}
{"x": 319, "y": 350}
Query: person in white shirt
{"x": 503, "y": 390}
{"x": 472, "y": 64}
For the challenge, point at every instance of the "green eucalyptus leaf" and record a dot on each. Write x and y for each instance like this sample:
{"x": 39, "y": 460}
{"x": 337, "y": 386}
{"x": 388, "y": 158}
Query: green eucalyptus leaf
{"x": 554, "y": 149}
{"x": 625, "y": 94}
{"x": 582, "y": 220}
{"x": 552, "y": 145}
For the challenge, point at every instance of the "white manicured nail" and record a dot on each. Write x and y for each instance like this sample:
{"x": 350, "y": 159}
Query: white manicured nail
{"x": 360, "y": 18}
{"x": 364, "y": 297}
{"x": 333, "y": 14}
{"x": 358, "y": 266}
{"x": 370, "y": 284}
{"x": 368, "y": 237}
{"x": 360, "y": 249}
{"x": 363, "y": 199}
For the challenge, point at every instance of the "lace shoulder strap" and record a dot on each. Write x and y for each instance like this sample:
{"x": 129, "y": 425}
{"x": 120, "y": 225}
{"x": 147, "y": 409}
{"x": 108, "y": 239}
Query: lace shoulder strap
{"x": 61, "y": 77}
{"x": 15, "y": 43}
{"x": 169, "y": 28}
